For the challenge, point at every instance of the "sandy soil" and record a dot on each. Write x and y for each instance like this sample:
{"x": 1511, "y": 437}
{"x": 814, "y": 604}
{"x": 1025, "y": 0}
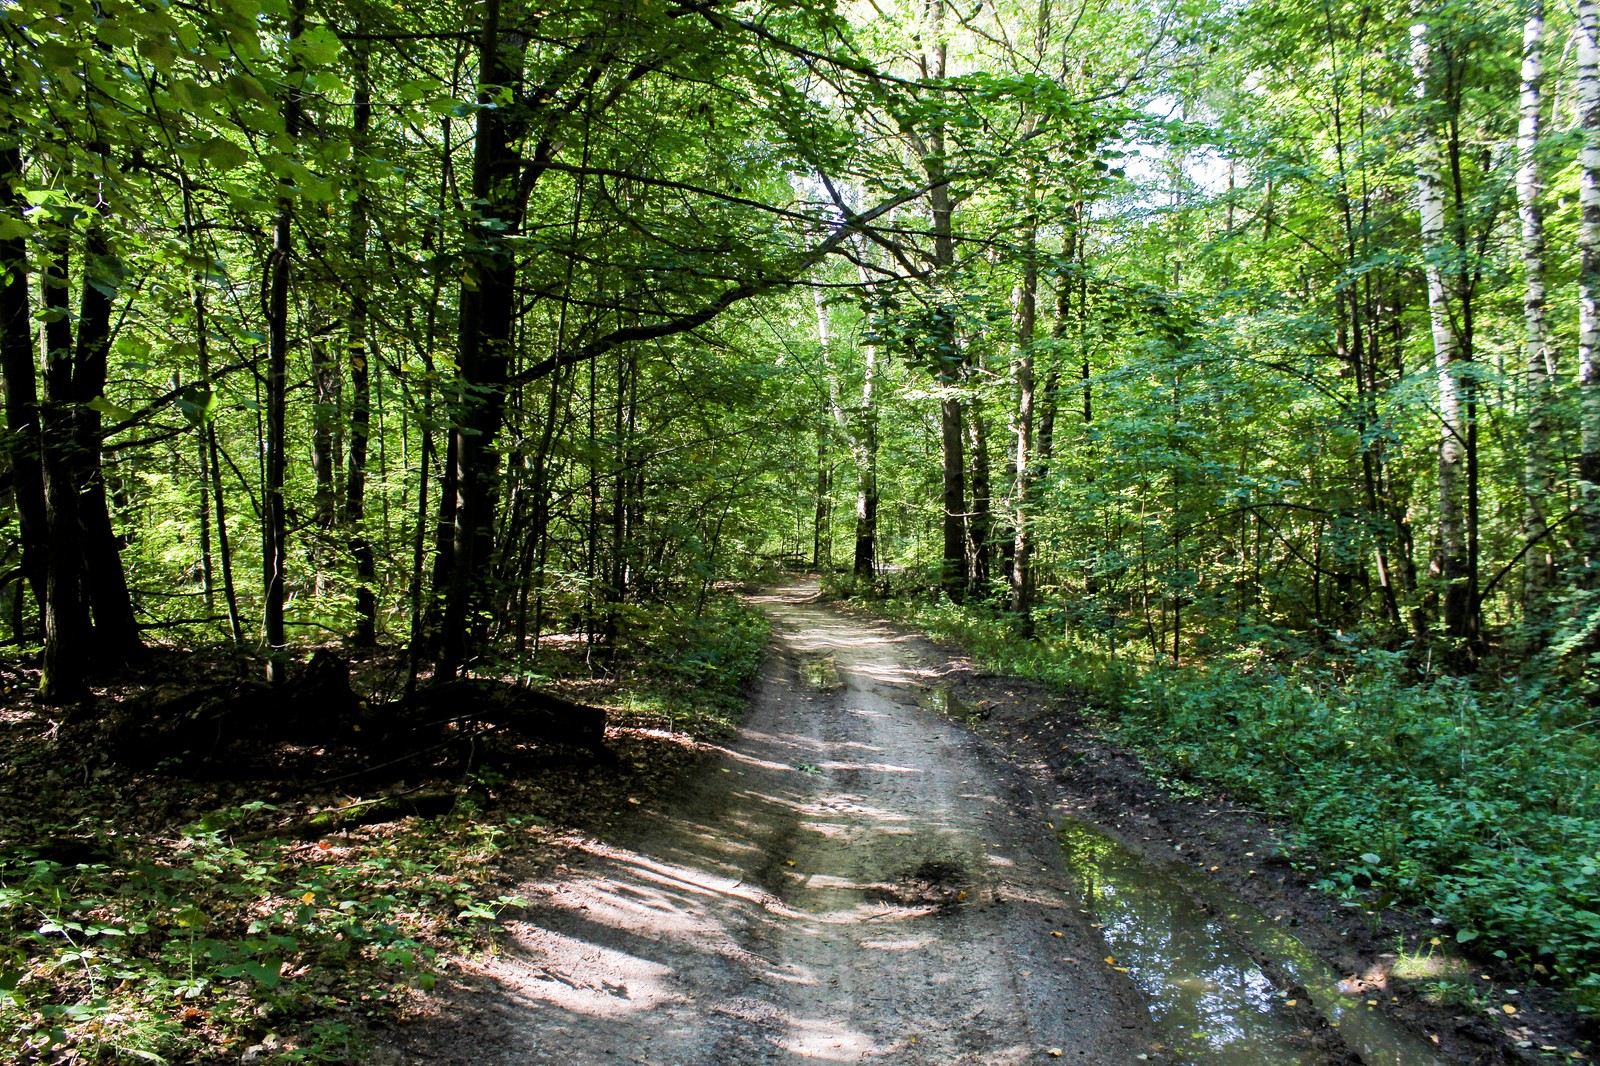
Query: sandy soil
{"x": 853, "y": 878}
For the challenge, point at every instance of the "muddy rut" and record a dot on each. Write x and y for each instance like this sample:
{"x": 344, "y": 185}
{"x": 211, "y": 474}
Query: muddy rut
{"x": 853, "y": 878}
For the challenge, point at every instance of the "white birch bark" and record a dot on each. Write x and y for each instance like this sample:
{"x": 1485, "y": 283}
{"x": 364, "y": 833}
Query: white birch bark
{"x": 1449, "y": 563}
{"x": 1538, "y": 355}
{"x": 1588, "y": 102}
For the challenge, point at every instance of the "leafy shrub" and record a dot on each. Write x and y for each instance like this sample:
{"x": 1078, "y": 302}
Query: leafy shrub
{"x": 693, "y": 667}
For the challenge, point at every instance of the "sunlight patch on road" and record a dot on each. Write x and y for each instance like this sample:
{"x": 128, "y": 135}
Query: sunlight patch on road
{"x": 696, "y": 882}
{"x": 582, "y": 977}
{"x": 837, "y": 804}
{"x": 900, "y": 943}
{"x": 751, "y": 760}
{"x": 877, "y": 767}
{"x": 826, "y": 1040}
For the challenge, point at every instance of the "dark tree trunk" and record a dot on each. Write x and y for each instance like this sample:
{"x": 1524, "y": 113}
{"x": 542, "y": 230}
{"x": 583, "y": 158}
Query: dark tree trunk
{"x": 210, "y": 452}
{"x": 954, "y": 500}
{"x": 355, "y": 496}
{"x": 20, "y": 375}
{"x": 1023, "y": 458}
{"x": 274, "y": 526}
{"x": 866, "y": 553}
{"x": 66, "y": 612}
{"x": 948, "y": 364}
{"x": 116, "y": 630}
{"x": 488, "y": 313}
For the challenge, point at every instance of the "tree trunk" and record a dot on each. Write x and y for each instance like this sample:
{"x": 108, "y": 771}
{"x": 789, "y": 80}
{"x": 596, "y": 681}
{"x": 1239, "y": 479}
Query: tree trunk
{"x": 1588, "y": 104}
{"x": 953, "y": 499}
{"x": 980, "y": 522}
{"x": 487, "y": 315}
{"x": 116, "y": 630}
{"x": 948, "y": 363}
{"x": 822, "y": 521}
{"x": 66, "y": 611}
{"x": 865, "y": 562}
{"x": 423, "y": 637}
{"x": 355, "y": 493}
{"x": 1450, "y": 558}
{"x": 1022, "y": 431}
{"x": 860, "y": 428}
{"x": 1538, "y": 479}
{"x": 210, "y": 452}
{"x": 274, "y": 526}
{"x": 18, "y": 369}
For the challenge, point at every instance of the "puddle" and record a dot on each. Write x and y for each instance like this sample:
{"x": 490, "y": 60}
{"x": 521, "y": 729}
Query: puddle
{"x": 820, "y": 671}
{"x": 939, "y": 699}
{"x": 1211, "y": 1001}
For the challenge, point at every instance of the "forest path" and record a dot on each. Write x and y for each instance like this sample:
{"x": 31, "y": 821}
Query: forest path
{"x": 853, "y": 878}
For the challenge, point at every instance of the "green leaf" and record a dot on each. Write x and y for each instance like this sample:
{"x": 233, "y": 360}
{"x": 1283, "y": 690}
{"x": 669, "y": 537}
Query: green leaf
{"x": 419, "y": 87}
{"x": 224, "y": 154}
{"x": 158, "y": 52}
{"x": 1465, "y": 935}
{"x": 198, "y": 405}
{"x": 1370, "y": 859}
{"x": 265, "y": 972}
{"x": 246, "y": 87}
{"x": 317, "y": 45}
{"x": 59, "y": 57}
{"x": 191, "y": 917}
{"x": 105, "y": 274}
{"x": 109, "y": 409}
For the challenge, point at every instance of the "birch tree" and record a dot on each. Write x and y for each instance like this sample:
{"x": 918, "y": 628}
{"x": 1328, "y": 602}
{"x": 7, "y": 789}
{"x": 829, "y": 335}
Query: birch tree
{"x": 1450, "y": 557}
{"x": 1537, "y": 482}
{"x": 1588, "y": 104}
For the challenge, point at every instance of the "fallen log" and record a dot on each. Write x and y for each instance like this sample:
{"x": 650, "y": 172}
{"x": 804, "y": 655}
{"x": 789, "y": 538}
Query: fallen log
{"x": 369, "y": 812}
{"x": 228, "y": 724}
{"x": 527, "y": 712}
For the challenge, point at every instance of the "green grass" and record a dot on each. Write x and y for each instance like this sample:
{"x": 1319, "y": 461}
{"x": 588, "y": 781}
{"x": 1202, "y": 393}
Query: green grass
{"x": 1477, "y": 803}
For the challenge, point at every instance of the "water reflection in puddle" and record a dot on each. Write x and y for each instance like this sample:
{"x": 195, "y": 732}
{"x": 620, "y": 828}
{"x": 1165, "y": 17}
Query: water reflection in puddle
{"x": 940, "y": 699}
{"x": 1213, "y": 1003}
{"x": 820, "y": 671}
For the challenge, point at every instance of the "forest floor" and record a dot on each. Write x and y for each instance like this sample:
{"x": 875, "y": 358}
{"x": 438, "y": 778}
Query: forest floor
{"x": 876, "y": 868}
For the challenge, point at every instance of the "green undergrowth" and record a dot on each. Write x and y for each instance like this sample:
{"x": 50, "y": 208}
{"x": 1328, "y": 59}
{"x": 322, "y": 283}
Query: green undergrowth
{"x": 1476, "y": 802}
{"x": 677, "y": 668}
{"x": 694, "y": 669}
{"x": 195, "y": 948}
{"x": 131, "y": 935}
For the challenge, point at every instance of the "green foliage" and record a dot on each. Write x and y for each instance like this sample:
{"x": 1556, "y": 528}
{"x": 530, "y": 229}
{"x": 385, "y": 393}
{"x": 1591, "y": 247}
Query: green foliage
{"x": 695, "y": 667}
{"x": 1475, "y": 801}
{"x": 160, "y": 948}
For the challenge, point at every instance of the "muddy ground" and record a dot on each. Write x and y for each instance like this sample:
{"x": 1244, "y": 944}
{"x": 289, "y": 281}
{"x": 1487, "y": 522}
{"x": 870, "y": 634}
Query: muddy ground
{"x": 870, "y": 871}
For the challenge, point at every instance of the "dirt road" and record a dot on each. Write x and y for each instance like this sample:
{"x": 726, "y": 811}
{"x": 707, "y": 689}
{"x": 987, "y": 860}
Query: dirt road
{"x": 853, "y": 878}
